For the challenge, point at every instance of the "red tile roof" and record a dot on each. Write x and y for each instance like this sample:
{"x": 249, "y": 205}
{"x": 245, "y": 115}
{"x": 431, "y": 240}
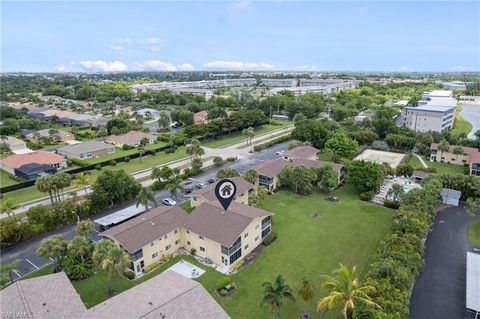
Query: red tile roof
{"x": 473, "y": 152}
{"x": 40, "y": 157}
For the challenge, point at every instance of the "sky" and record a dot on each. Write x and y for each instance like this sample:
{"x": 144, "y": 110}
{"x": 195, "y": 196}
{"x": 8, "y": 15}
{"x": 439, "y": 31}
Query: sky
{"x": 239, "y": 36}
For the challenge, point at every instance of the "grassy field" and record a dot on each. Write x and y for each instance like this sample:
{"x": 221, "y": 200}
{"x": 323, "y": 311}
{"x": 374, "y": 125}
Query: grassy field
{"x": 237, "y": 137}
{"x": 347, "y": 232}
{"x": 441, "y": 168}
{"x": 461, "y": 125}
{"x": 474, "y": 232}
{"x": 6, "y": 179}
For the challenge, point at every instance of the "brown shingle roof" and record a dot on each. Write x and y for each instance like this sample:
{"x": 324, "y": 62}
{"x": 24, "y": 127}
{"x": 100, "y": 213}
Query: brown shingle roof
{"x": 224, "y": 227}
{"x": 138, "y": 232}
{"x": 51, "y": 296}
{"x": 168, "y": 295}
{"x": 130, "y": 137}
{"x": 40, "y": 157}
{"x": 209, "y": 192}
{"x": 302, "y": 152}
{"x": 45, "y": 133}
{"x": 273, "y": 168}
{"x": 89, "y": 146}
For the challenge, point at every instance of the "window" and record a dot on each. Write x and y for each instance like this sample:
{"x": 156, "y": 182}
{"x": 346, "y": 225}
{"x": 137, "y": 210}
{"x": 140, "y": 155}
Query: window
{"x": 246, "y": 235}
{"x": 153, "y": 243}
{"x": 246, "y": 247}
{"x": 168, "y": 247}
{"x": 201, "y": 237}
{"x": 155, "y": 255}
{"x": 202, "y": 249}
{"x": 188, "y": 243}
{"x": 177, "y": 242}
{"x": 235, "y": 256}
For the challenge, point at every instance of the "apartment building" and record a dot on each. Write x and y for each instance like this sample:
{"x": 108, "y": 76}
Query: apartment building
{"x": 279, "y": 82}
{"x": 428, "y": 118}
{"x": 299, "y": 90}
{"x": 206, "y": 93}
{"x": 333, "y": 84}
{"x": 221, "y": 237}
{"x": 302, "y": 152}
{"x": 86, "y": 150}
{"x": 470, "y": 157}
{"x": 194, "y": 84}
{"x": 207, "y": 194}
{"x": 437, "y": 94}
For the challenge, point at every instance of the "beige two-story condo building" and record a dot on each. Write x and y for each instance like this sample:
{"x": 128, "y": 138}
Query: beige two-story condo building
{"x": 470, "y": 157}
{"x": 86, "y": 150}
{"x": 207, "y": 194}
{"x": 218, "y": 236}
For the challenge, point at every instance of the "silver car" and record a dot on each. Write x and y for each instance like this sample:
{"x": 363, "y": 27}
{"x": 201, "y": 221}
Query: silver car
{"x": 169, "y": 202}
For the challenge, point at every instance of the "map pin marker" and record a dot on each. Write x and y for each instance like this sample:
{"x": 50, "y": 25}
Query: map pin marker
{"x": 225, "y": 192}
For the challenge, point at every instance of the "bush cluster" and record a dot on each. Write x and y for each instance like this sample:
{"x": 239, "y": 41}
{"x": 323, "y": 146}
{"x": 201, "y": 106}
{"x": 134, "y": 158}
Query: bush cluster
{"x": 278, "y": 140}
{"x": 270, "y": 238}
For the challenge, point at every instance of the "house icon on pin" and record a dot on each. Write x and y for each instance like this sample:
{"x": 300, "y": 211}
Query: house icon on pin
{"x": 226, "y": 190}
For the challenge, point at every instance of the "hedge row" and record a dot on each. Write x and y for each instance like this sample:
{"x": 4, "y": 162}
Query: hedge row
{"x": 278, "y": 140}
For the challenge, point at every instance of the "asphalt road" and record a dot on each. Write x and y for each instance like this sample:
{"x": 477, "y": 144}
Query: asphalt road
{"x": 29, "y": 261}
{"x": 439, "y": 291}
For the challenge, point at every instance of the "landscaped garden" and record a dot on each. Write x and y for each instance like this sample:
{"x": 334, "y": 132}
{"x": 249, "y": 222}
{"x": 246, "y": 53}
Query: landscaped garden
{"x": 440, "y": 168}
{"x": 474, "y": 232}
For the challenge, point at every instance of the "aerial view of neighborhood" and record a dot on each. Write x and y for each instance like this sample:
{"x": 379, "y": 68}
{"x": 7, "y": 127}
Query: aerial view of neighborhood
{"x": 240, "y": 159}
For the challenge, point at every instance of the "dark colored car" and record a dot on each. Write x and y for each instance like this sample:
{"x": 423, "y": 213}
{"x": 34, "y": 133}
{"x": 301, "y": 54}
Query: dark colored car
{"x": 212, "y": 180}
{"x": 188, "y": 190}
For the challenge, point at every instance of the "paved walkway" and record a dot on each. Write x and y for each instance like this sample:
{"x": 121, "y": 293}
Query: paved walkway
{"x": 230, "y": 150}
{"x": 421, "y": 160}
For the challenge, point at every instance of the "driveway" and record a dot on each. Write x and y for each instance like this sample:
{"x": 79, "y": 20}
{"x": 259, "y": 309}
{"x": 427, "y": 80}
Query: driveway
{"x": 439, "y": 291}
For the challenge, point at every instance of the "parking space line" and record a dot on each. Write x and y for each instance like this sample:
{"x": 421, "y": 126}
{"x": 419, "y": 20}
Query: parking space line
{"x": 51, "y": 259}
{"x": 32, "y": 263}
{"x": 16, "y": 273}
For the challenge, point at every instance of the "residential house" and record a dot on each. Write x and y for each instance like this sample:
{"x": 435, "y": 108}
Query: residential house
{"x": 13, "y": 162}
{"x": 51, "y": 296}
{"x": 86, "y": 150}
{"x": 32, "y": 171}
{"x": 200, "y": 117}
{"x": 132, "y": 138}
{"x": 302, "y": 152}
{"x": 470, "y": 157}
{"x": 14, "y": 143}
{"x": 147, "y": 113}
{"x": 224, "y": 237}
{"x": 58, "y": 135}
{"x": 207, "y": 194}
{"x": 268, "y": 171}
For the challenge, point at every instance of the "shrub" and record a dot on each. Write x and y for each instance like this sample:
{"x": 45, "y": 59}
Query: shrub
{"x": 98, "y": 167}
{"x": 223, "y": 281}
{"x": 112, "y": 163}
{"x": 231, "y": 159}
{"x": 126, "y": 147}
{"x": 157, "y": 185}
{"x": 169, "y": 151}
{"x": 218, "y": 161}
{"x": 193, "y": 251}
{"x": 129, "y": 274}
{"x": 270, "y": 238}
{"x": 391, "y": 204}
{"x": 154, "y": 265}
{"x": 78, "y": 162}
{"x": 366, "y": 196}
{"x": 126, "y": 159}
{"x": 278, "y": 140}
{"x": 238, "y": 265}
{"x": 223, "y": 292}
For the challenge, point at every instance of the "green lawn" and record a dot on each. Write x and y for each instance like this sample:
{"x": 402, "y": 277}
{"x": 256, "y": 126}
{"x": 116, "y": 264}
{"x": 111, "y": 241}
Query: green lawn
{"x": 474, "y": 232}
{"x": 347, "y": 232}
{"x": 6, "y": 179}
{"x": 186, "y": 206}
{"x": 461, "y": 125}
{"x": 441, "y": 168}
{"x": 237, "y": 137}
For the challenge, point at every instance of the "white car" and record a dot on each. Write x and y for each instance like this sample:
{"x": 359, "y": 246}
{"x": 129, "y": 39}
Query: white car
{"x": 280, "y": 152}
{"x": 169, "y": 202}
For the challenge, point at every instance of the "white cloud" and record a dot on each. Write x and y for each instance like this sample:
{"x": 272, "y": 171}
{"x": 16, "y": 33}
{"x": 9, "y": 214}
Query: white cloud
{"x": 237, "y": 66}
{"x": 153, "y": 49}
{"x": 154, "y": 65}
{"x": 61, "y": 68}
{"x": 150, "y": 41}
{"x": 122, "y": 41}
{"x": 305, "y": 68}
{"x": 185, "y": 67}
{"x": 115, "y": 47}
{"x": 99, "y": 65}
{"x": 460, "y": 68}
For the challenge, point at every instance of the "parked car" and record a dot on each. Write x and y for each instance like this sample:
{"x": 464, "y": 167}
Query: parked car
{"x": 188, "y": 181}
{"x": 169, "y": 202}
{"x": 200, "y": 185}
{"x": 280, "y": 152}
{"x": 188, "y": 190}
{"x": 212, "y": 180}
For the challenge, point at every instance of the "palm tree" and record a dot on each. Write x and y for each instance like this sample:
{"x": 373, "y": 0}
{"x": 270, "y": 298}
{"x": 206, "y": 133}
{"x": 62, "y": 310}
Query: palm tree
{"x": 113, "y": 260}
{"x": 84, "y": 228}
{"x": 346, "y": 292}
{"x": 54, "y": 247}
{"x": 174, "y": 184}
{"x": 141, "y": 152}
{"x": 249, "y": 133}
{"x": 8, "y": 206}
{"x": 80, "y": 247}
{"x": 274, "y": 295}
{"x": 443, "y": 147}
{"x": 458, "y": 150}
{"x": 307, "y": 289}
{"x": 156, "y": 173}
{"x": 44, "y": 185}
{"x": 144, "y": 196}
{"x": 171, "y": 140}
{"x": 82, "y": 181}
{"x": 251, "y": 176}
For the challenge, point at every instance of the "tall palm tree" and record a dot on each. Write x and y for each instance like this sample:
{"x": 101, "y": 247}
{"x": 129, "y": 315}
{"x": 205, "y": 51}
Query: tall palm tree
{"x": 458, "y": 150}
{"x": 82, "y": 181}
{"x": 443, "y": 146}
{"x": 141, "y": 152}
{"x": 174, "y": 184}
{"x": 8, "y": 206}
{"x": 80, "y": 247}
{"x": 346, "y": 292}
{"x": 171, "y": 140}
{"x": 249, "y": 133}
{"x": 274, "y": 295}
{"x": 306, "y": 291}
{"x": 144, "y": 196}
{"x": 84, "y": 228}
{"x": 44, "y": 185}
{"x": 114, "y": 262}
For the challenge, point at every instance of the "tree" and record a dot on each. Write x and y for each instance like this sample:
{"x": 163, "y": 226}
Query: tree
{"x": 164, "y": 119}
{"x": 259, "y": 194}
{"x": 174, "y": 184}
{"x": 54, "y": 247}
{"x": 111, "y": 259}
{"x": 473, "y": 206}
{"x": 345, "y": 291}
{"x": 299, "y": 117}
{"x": 227, "y": 173}
{"x": 81, "y": 248}
{"x": 457, "y": 150}
{"x": 44, "y": 185}
{"x": 144, "y": 196}
{"x": 249, "y": 133}
{"x": 341, "y": 145}
{"x": 85, "y": 228}
{"x": 8, "y": 206}
{"x": 82, "y": 181}
{"x": 171, "y": 140}
{"x": 306, "y": 292}
{"x": 275, "y": 294}
{"x": 5, "y": 271}
{"x": 141, "y": 152}
{"x": 298, "y": 179}
{"x": 404, "y": 169}
{"x": 327, "y": 177}
{"x": 194, "y": 149}
{"x": 217, "y": 161}
{"x": 366, "y": 176}
{"x": 444, "y": 146}
{"x": 251, "y": 176}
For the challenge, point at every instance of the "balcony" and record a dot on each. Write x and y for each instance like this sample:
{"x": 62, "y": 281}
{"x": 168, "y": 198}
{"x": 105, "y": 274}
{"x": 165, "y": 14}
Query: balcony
{"x": 136, "y": 255}
{"x": 230, "y": 250}
{"x": 267, "y": 221}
